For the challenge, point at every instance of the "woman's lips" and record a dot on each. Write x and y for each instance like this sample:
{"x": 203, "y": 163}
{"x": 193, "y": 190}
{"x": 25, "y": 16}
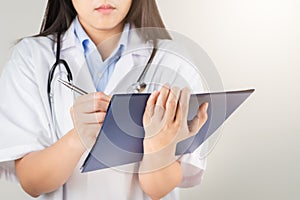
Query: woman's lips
{"x": 105, "y": 9}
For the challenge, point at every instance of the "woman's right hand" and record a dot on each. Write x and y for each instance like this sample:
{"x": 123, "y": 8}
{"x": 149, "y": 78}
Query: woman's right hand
{"x": 88, "y": 113}
{"x": 34, "y": 168}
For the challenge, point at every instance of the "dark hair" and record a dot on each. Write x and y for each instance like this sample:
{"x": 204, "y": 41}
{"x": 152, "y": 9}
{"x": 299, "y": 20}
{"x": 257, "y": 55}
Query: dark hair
{"x": 59, "y": 15}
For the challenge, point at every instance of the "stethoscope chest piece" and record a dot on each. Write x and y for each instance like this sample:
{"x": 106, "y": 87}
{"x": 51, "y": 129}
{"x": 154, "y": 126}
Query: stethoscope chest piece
{"x": 137, "y": 87}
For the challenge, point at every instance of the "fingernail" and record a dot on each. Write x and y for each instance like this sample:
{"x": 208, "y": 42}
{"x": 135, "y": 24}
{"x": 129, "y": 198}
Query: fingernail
{"x": 153, "y": 94}
{"x": 167, "y": 85}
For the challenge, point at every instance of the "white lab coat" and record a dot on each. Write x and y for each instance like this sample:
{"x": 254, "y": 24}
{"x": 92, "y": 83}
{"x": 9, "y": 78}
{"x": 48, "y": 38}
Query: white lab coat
{"x": 26, "y": 123}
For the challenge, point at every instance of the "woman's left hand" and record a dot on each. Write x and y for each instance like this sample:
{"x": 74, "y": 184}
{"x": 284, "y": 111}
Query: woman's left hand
{"x": 165, "y": 120}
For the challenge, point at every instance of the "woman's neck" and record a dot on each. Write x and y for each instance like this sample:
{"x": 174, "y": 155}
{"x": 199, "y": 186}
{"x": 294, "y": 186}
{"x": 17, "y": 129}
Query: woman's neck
{"x": 106, "y": 40}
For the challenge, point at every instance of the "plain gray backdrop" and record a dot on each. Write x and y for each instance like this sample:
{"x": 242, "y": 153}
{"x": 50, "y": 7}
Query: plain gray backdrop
{"x": 254, "y": 44}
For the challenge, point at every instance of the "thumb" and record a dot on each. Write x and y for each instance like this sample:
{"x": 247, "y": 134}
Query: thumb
{"x": 199, "y": 120}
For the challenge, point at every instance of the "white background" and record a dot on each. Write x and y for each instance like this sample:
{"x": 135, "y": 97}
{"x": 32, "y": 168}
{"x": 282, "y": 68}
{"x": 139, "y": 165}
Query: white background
{"x": 254, "y": 44}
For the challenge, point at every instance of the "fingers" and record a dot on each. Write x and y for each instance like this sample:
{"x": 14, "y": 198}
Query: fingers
{"x": 183, "y": 105}
{"x": 160, "y": 106}
{"x": 91, "y": 103}
{"x": 171, "y": 104}
{"x": 88, "y": 113}
{"x": 199, "y": 120}
{"x": 94, "y": 118}
{"x": 96, "y": 96}
{"x": 167, "y": 104}
{"x": 149, "y": 110}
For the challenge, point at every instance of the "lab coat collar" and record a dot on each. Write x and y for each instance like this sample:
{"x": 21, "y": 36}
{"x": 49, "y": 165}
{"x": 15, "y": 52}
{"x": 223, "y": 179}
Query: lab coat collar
{"x": 68, "y": 39}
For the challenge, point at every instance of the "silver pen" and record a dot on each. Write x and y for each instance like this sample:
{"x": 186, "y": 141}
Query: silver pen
{"x": 72, "y": 87}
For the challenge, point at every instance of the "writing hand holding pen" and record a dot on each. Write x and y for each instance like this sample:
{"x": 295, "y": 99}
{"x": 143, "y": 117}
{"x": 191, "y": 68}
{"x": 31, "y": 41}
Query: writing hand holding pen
{"x": 88, "y": 113}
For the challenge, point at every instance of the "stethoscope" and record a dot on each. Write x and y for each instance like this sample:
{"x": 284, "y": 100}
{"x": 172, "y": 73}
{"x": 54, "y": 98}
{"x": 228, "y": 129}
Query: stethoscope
{"x": 137, "y": 87}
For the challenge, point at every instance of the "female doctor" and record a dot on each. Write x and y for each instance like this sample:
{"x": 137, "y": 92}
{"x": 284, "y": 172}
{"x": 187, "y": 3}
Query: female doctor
{"x": 43, "y": 143}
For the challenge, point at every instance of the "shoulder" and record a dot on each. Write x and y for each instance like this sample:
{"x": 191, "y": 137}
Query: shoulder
{"x": 31, "y": 47}
{"x": 177, "y": 62}
{"x": 29, "y": 56}
{"x": 35, "y": 42}
{"x": 170, "y": 51}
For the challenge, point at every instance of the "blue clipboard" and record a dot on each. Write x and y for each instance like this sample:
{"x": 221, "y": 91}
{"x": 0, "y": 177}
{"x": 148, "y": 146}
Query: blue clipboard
{"x": 120, "y": 140}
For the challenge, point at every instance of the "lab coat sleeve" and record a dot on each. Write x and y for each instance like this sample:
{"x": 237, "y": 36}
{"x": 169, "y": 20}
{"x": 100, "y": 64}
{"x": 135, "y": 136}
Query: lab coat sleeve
{"x": 23, "y": 126}
{"x": 193, "y": 167}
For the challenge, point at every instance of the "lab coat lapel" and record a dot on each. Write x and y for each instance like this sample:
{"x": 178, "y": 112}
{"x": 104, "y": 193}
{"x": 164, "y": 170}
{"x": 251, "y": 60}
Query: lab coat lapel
{"x": 81, "y": 74}
{"x": 136, "y": 55}
{"x": 122, "y": 67}
{"x": 64, "y": 98}
{"x": 72, "y": 53}
{"x": 72, "y": 50}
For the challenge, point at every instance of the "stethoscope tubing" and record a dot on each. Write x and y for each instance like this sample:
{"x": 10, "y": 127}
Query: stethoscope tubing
{"x": 139, "y": 86}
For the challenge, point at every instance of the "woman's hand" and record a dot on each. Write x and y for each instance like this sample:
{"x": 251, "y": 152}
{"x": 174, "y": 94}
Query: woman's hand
{"x": 88, "y": 113}
{"x": 165, "y": 123}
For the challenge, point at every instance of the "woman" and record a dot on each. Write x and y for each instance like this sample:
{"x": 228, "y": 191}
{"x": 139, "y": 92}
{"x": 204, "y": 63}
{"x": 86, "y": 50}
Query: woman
{"x": 45, "y": 152}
